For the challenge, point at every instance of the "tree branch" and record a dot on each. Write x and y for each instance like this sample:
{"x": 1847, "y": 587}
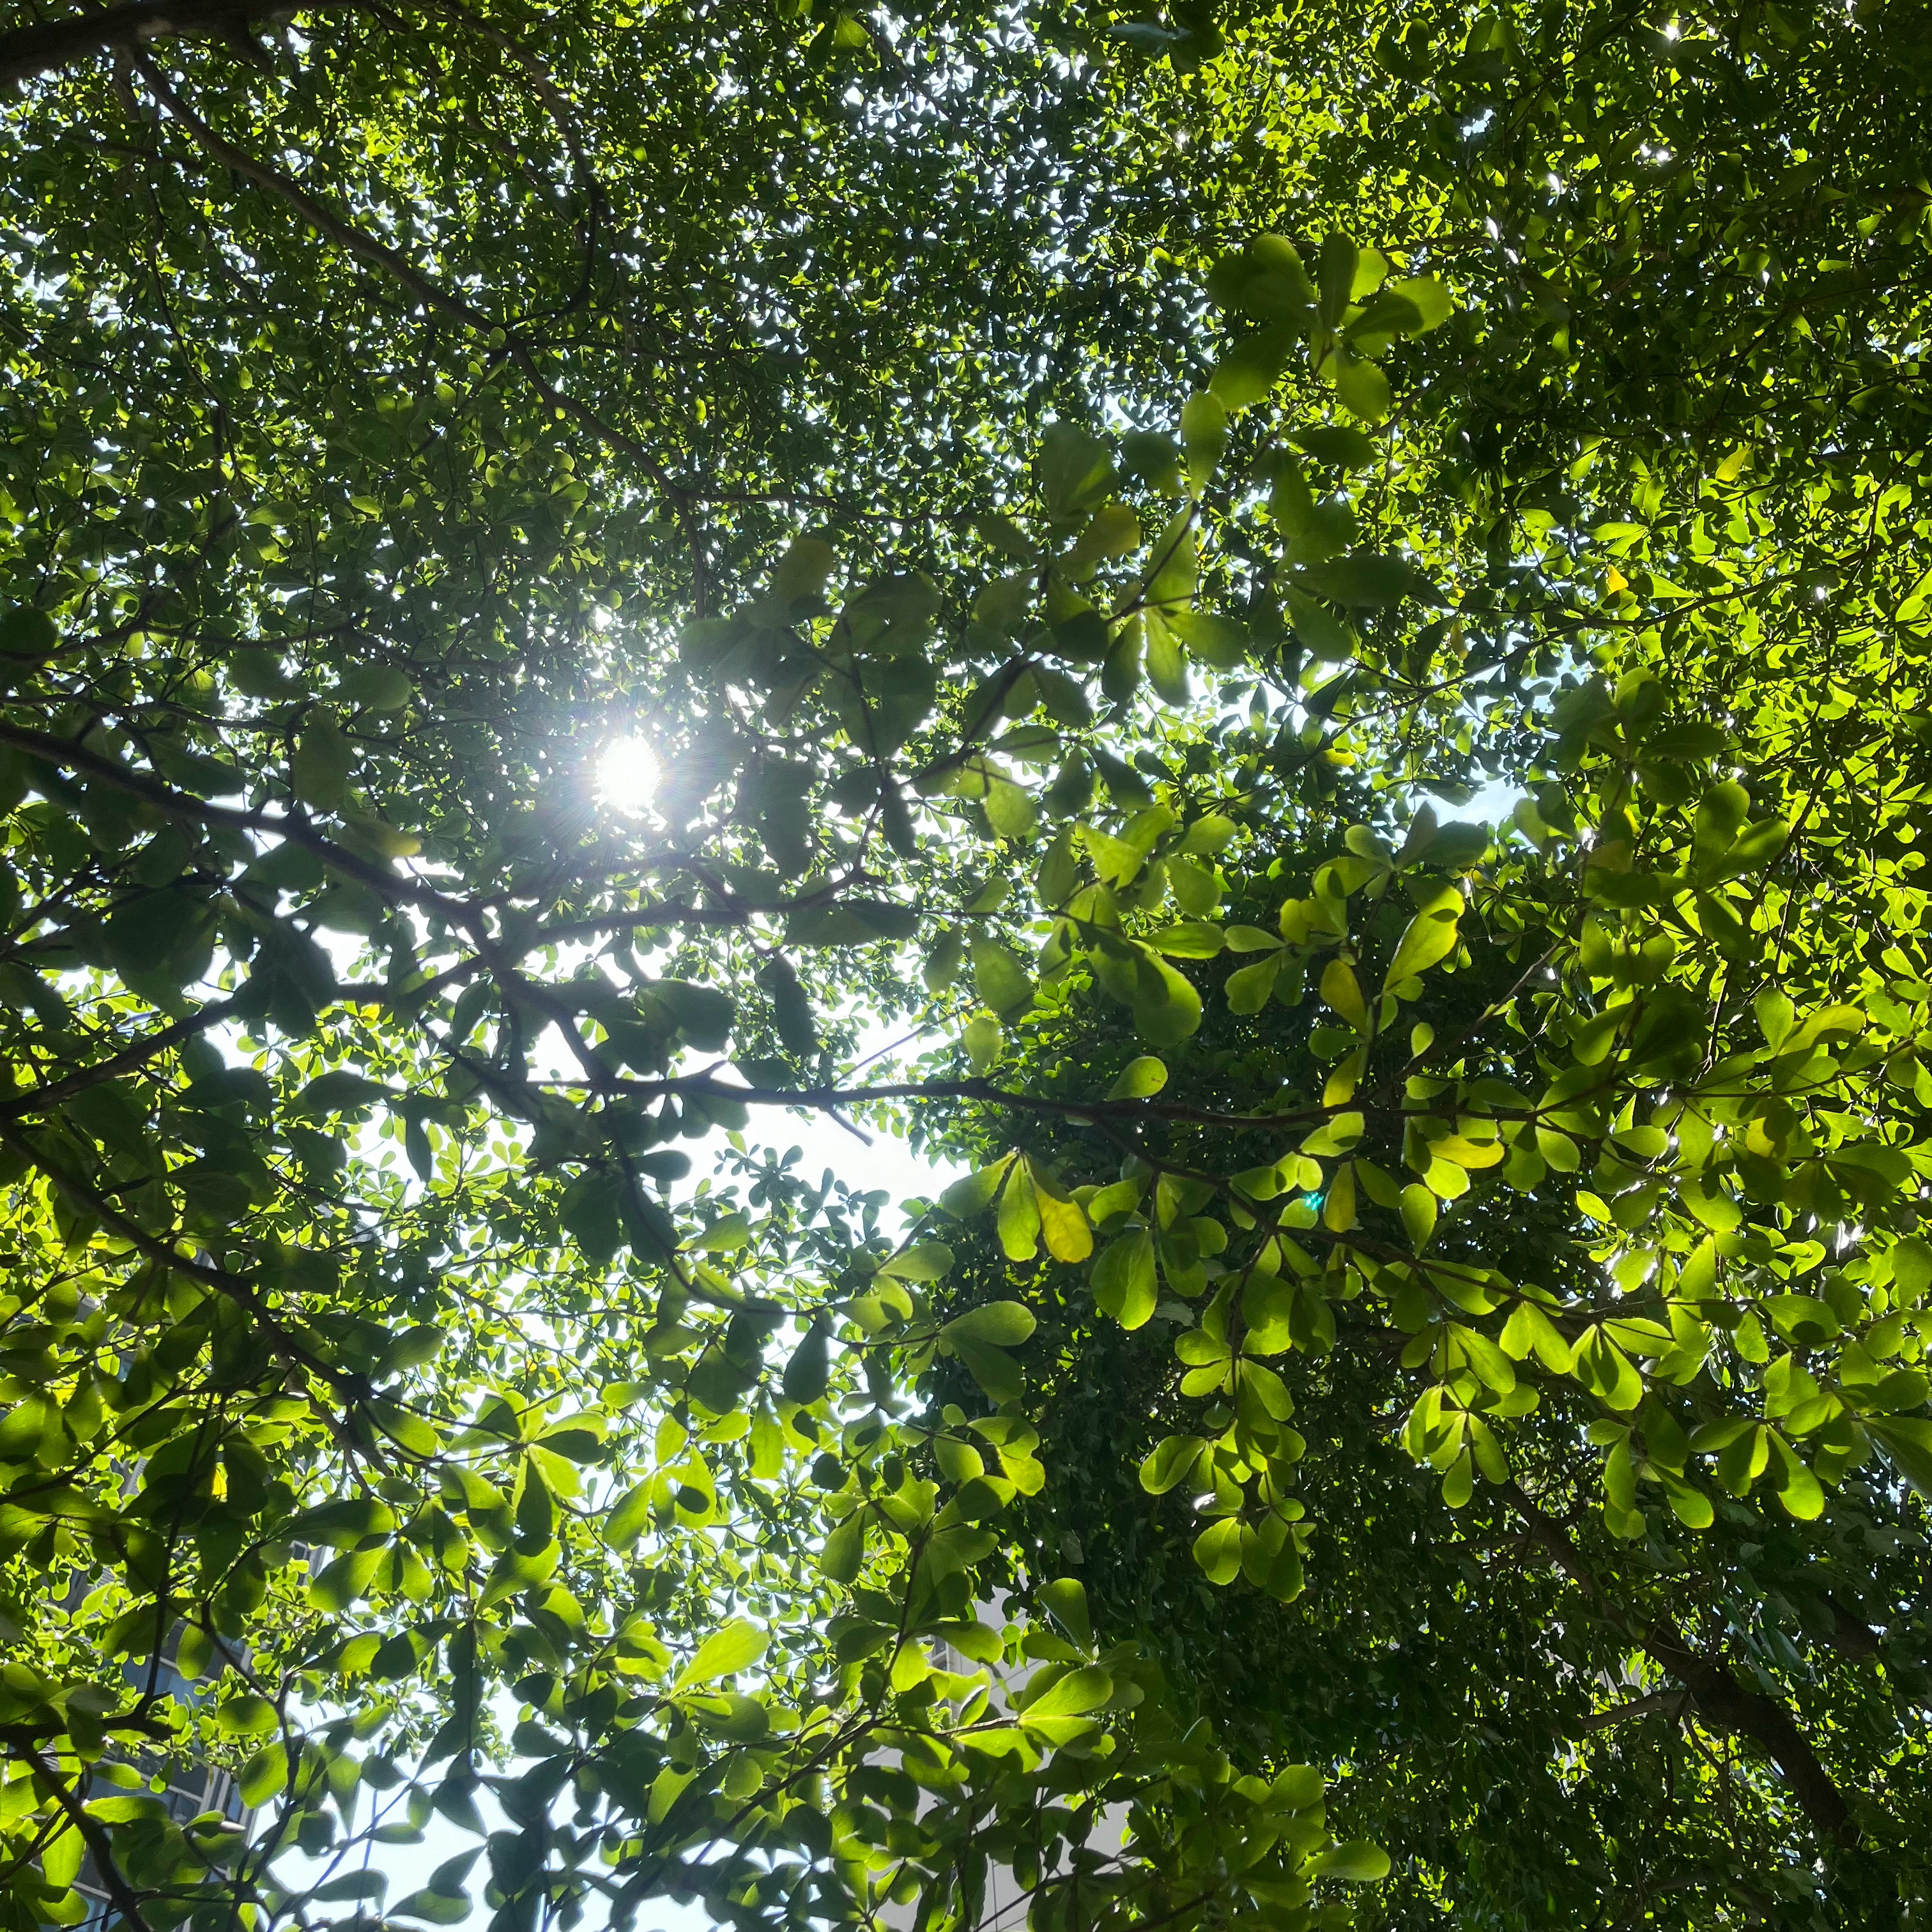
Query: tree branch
{"x": 351, "y": 1388}
{"x": 1673, "y": 1701}
{"x": 1718, "y": 1698}
{"x": 1722, "y": 1701}
{"x": 378, "y": 255}
{"x": 51, "y": 1093}
{"x": 46, "y": 45}
{"x": 94, "y": 1835}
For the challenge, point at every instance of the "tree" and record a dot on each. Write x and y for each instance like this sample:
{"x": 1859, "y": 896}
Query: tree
{"x": 381, "y": 448}
{"x": 1508, "y": 1683}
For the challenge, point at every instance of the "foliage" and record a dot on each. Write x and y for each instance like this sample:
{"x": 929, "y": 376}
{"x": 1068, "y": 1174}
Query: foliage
{"x": 1051, "y": 618}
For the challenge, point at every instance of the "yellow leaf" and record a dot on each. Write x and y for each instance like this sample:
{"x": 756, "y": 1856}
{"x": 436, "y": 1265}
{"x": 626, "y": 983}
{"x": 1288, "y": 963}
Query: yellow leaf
{"x": 1467, "y": 1153}
{"x": 1342, "y": 992}
{"x": 1430, "y": 936}
{"x": 1338, "y": 1211}
{"x": 1062, "y": 1223}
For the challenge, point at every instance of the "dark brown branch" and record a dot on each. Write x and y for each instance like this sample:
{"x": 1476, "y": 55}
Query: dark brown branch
{"x": 390, "y": 261}
{"x": 1851, "y": 1636}
{"x": 51, "y": 1093}
{"x": 186, "y": 809}
{"x": 1723, "y": 1701}
{"x": 1719, "y": 1700}
{"x": 44, "y": 46}
{"x": 1671, "y": 1702}
{"x": 351, "y": 1388}
{"x": 94, "y": 1835}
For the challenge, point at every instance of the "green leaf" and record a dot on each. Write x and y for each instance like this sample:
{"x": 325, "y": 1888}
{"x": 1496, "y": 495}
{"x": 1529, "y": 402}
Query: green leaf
{"x": 703, "y": 1015}
{"x": 1009, "y": 809}
{"x": 1798, "y": 1489}
{"x": 437, "y": 1908}
{"x": 1166, "y": 668}
{"x": 1004, "y": 1324}
{"x": 265, "y": 1774}
{"x": 1124, "y": 1279}
{"x": 1335, "y": 275}
{"x": 971, "y": 1195}
{"x": 995, "y": 1371}
{"x": 1074, "y": 469}
{"x": 734, "y": 1646}
{"x": 1140, "y": 1079}
{"x": 340, "y": 1583}
{"x": 1528, "y": 1329}
{"x": 1342, "y": 992}
{"x": 1418, "y": 1214}
{"x": 1367, "y": 580}
{"x": 1250, "y": 368}
{"x": 1907, "y": 1443}
{"x": 1430, "y": 936}
{"x": 1364, "y": 389}
{"x": 725, "y": 1236}
{"x": 1171, "y": 1464}
{"x": 1063, "y": 1221}
{"x": 1065, "y": 1599}
{"x": 1002, "y": 981}
{"x": 924, "y": 1261}
{"x": 1606, "y": 1371}
{"x": 28, "y": 633}
{"x": 1266, "y": 279}
{"x": 1166, "y": 1008}
{"x": 1248, "y": 987}
{"x": 1073, "y": 1696}
{"x": 1175, "y": 559}
{"x": 982, "y": 1037}
{"x": 1432, "y": 302}
{"x": 247, "y": 1717}
{"x": 629, "y": 1518}
{"x": 1191, "y": 939}
{"x": 791, "y": 1006}
{"x": 844, "y": 1550}
{"x": 381, "y": 687}
{"x": 1217, "y": 1550}
{"x": 320, "y": 767}
{"x": 1019, "y": 1218}
{"x": 809, "y": 1372}
{"x": 1204, "y": 434}
{"x": 340, "y": 1092}
{"x": 799, "y": 577}
{"x": 1340, "y": 444}
{"x": 1355, "y": 1860}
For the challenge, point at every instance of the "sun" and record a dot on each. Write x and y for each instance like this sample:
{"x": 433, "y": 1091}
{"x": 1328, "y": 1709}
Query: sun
{"x": 627, "y": 776}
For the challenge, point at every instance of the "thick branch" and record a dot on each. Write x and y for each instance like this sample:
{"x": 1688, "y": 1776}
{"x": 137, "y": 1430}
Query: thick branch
{"x": 127, "y": 1902}
{"x": 45, "y": 45}
{"x": 1671, "y": 1701}
{"x": 51, "y": 1093}
{"x": 1723, "y": 1701}
{"x": 1851, "y": 1636}
{"x": 1718, "y": 1698}
{"x": 434, "y": 298}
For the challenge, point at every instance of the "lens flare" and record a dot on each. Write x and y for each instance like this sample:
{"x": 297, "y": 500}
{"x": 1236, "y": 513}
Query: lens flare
{"x": 627, "y": 777}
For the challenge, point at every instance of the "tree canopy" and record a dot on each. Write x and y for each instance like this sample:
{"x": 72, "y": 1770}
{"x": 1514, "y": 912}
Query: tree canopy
{"x": 1295, "y": 635}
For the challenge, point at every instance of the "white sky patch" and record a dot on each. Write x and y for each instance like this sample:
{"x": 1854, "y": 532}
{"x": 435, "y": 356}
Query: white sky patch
{"x": 1493, "y": 803}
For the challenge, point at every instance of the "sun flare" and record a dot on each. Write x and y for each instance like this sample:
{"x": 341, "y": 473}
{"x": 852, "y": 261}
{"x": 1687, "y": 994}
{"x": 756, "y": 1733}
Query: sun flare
{"x": 627, "y": 776}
